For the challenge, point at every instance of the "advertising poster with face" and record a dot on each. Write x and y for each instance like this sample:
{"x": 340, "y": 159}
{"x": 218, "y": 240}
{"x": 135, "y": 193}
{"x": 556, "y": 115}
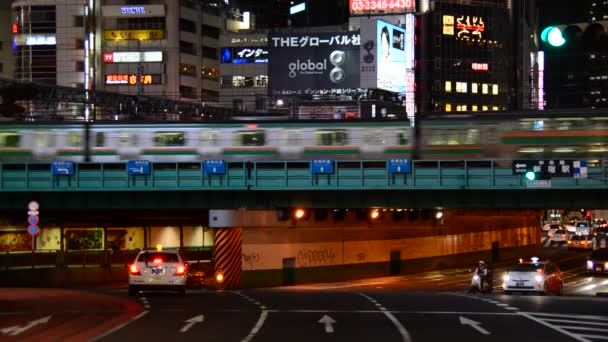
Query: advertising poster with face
{"x": 391, "y": 57}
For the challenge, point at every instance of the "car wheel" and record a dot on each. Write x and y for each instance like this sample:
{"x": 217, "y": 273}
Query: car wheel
{"x": 132, "y": 291}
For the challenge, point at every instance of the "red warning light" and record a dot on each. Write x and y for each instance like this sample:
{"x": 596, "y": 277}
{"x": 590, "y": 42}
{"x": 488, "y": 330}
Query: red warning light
{"x": 15, "y": 28}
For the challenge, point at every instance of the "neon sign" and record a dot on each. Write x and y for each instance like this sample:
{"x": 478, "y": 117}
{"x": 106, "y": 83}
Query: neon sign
{"x": 464, "y": 26}
{"x": 385, "y": 6}
{"x": 480, "y": 66}
{"x": 133, "y": 10}
{"x": 133, "y": 57}
{"x": 125, "y": 79}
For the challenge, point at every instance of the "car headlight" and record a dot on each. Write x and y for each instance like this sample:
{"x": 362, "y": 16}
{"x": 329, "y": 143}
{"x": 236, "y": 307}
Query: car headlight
{"x": 505, "y": 277}
{"x": 606, "y": 266}
{"x": 589, "y": 264}
{"x": 476, "y": 277}
{"x": 538, "y": 278}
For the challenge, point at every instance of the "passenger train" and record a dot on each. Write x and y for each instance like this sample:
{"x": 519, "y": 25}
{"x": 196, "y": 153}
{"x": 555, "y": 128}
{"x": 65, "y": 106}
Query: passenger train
{"x": 456, "y": 137}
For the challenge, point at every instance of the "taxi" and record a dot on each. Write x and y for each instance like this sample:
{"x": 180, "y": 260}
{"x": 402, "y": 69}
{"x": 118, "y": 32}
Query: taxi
{"x": 580, "y": 242}
{"x": 157, "y": 270}
{"x": 534, "y": 276}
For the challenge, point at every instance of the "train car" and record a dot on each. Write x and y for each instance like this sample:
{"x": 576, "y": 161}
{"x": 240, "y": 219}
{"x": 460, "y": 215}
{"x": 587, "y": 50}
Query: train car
{"x": 439, "y": 138}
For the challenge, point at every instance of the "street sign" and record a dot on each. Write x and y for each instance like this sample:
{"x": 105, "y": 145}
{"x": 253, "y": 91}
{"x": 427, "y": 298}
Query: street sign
{"x": 544, "y": 168}
{"x": 138, "y": 167}
{"x": 33, "y": 229}
{"x": 62, "y": 167}
{"x": 539, "y": 184}
{"x": 580, "y": 169}
{"x": 33, "y": 206}
{"x": 324, "y": 166}
{"x": 33, "y": 213}
{"x": 33, "y": 219}
{"x": 398, "y": 166}
{"x": 215, "y": 167}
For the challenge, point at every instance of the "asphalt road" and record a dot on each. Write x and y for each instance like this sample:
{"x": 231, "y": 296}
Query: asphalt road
{"x": 432, "y": 306}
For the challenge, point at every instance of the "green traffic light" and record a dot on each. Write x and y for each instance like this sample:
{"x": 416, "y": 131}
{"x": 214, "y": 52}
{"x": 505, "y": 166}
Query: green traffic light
{"x": 553, "y": 36}
{"x": 530, "y": 175}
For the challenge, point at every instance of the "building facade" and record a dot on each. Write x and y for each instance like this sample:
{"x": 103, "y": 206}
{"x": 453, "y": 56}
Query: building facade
{"x": 6, "y": 41}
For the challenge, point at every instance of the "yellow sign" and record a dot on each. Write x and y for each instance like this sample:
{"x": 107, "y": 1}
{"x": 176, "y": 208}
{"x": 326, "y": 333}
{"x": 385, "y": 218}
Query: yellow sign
{"x": 134, "y": 35}
{"x": 448, "y": 25}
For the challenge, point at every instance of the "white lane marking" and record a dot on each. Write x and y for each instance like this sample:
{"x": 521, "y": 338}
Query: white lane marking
{"x": 473, "y": 324}
{"x": 556, "y": 328}
{"x": 257, "y": 327}
{"x": 16, "y": 330}
{"x": 328, "y": 322}
{"x": 595, "y": 337}
{"x": 405, "y": 335}
{"x": 511, "y": 308}
{"x": 502, "y": 304}
{"x": 597, "y": 318}
{"x": 192, "y": 321}
{"x": 118, "y": 327}
{"x": 573, "y": 327}
{"x": 555, "y": 320}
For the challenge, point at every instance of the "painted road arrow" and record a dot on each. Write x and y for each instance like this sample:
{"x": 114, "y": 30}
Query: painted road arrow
{"x": 192, "y": 321}
{"x": 328, "y": 321}
{"x": 474, "y": 324}
{"x": 16, "y": 330}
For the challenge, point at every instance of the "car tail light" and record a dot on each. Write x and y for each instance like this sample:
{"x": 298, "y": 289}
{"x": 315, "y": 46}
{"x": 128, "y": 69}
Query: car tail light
{"x": 158, "y": 261}
{"x": 569, "y": 242}
{"x": 564, "y": 236}
{"x": 134, "y": 270}
{"x": 180, "y": 269}
{"x": 551, "y": 235}
{"x": 539, "y": 270}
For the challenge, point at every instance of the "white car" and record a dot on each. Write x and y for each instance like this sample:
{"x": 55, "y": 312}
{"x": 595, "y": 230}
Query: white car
{"x": 547, "y": 227}
{"x": 157, "y": 270}
{"x": 538, "y": 277}
{"x": 558, "y": 235}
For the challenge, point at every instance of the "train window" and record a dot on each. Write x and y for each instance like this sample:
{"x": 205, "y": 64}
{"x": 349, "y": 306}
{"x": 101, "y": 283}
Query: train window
{"x": 291, "y": 137}
{"x": 44, "y": 139}
{"x": 126, "y": 139}
{"x": 454, "y": 137}
{"x": 403, "y": 138}
{"x": 210, "y": 138}
{"x": 373, "y": 137}
{"x": 169, "y": 139}
{"x": 334, "y": 137}
{"x": 100, "y": 139}
{"x": 9, "y": 139}
{"x": 250, "y": 138}
{"x": 74, "y": 139}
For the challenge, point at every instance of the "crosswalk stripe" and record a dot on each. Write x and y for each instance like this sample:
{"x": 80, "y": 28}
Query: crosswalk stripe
{"x": 596, "y": 337}
{"x": 553, "y": 320}
{"x": 571, "y": 327}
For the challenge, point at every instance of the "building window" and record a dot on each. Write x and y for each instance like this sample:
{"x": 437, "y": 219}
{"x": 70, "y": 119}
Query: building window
{"x": 187, "y": 69}
{"x": 187, "y": 25}
{"x": 474, "y": 87}
{"x": 78, "y": 21}
{"x": 260, "y": 103}
{"x": 237, "y": 104}
{"x": 495, "y": 89}
{"x": 448, "y": 86}
{"x": 484, "y": 108}
{"x": 461, "y": 108}
{"x": 185, "y": 47}
{"x": 461, "y": 87}
{"x": 209, "y": 52}
{"x": 495, "y": 108}
{"x": 210, "y": 31}
{"x": 474, "y": 108}
{"x": 210, "y": 95}
{"x": 210, "y": 73}
{"x": 484, "y": 88}
{"x": 79, "y": 65}
{"x": 448, "y": 107}
{"x": 260, "y": 81}
{"x": 187, "y": 92}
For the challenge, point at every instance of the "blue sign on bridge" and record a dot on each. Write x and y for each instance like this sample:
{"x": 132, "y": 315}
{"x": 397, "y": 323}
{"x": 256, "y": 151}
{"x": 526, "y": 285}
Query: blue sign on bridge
{"x": 215, "y": 167}
{"x": 399, "y": 166}
{"x": 324, "y": 166}
{"x": 138, "y": 167}
{"x": 62, "y": 168}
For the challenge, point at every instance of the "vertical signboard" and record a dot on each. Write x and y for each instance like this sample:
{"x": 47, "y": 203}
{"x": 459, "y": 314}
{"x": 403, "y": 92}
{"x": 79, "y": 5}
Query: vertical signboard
{"x": 391, "y": 57}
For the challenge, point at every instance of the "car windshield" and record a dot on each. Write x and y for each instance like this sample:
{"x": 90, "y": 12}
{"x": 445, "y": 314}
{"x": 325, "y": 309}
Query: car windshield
{"x": 600, "y": 254}
{"x": 555, "y": 226}
{"x": 578, "y": 237}
{"x": 163, "y": 257}
{"x": 527, "y": 268}
{"x": 582, "y": 224}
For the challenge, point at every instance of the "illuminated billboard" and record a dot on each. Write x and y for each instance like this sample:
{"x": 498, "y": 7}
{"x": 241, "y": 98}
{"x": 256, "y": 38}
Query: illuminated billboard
{"x": 243, "y": 55}
{"x": 464, "y": 26}
{"x": 381, "y": 6}
{"x": 34, "y": 39}
{"x": 126, "y": 79}
{"x": 133, "y": 57}
{"x": 391, "y": 52}
{"x": 134, "y": 34}
{"x": 319, "y": 63}
{"x": 133, "y": 11}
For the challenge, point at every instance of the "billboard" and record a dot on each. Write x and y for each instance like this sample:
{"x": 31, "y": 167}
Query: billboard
{"x": 316, "y": 63}
{"x": 391, "y": 52}
{"x": 368, "y": 7}
{"x": 244, "y": 55}
{"x": 133, "y": 57}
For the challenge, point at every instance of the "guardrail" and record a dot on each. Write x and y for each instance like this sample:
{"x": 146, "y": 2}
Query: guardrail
{"x": 287, "y": 175}
{"x": 86, "y": 259}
